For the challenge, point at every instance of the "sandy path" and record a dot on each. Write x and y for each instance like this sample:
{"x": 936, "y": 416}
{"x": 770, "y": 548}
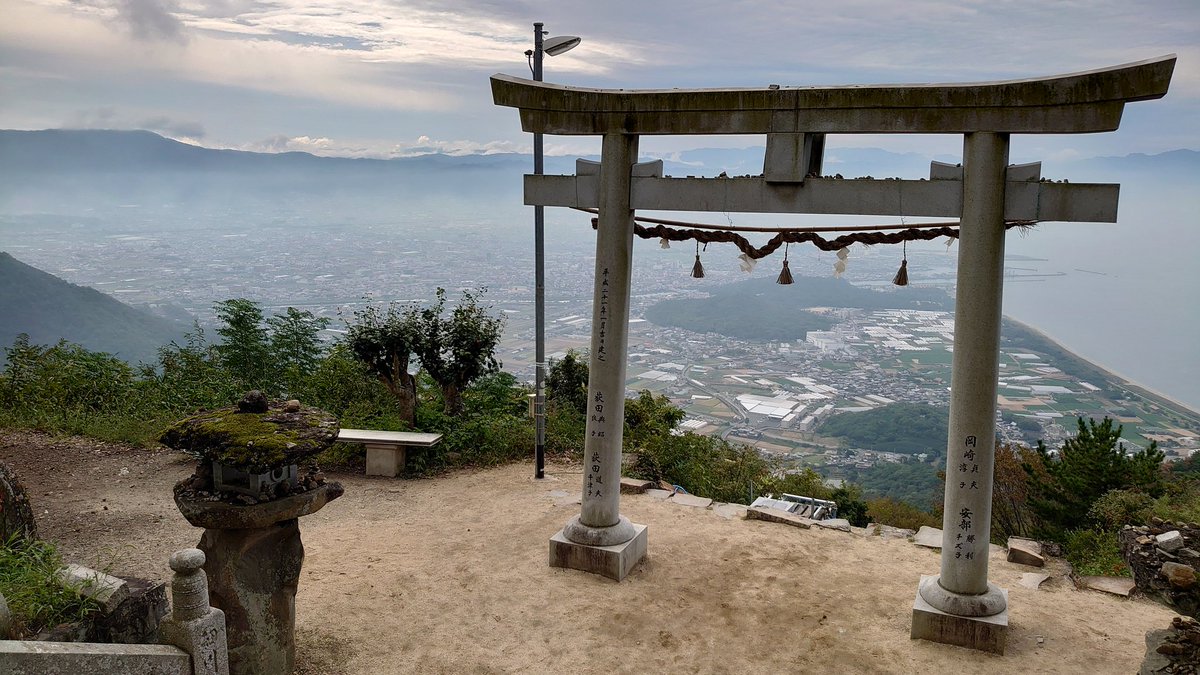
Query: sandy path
{"x": 449, "y": 575}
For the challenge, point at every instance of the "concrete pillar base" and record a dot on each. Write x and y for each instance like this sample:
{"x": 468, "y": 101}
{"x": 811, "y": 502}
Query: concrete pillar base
{"x": 985, "y": 633}
{"x": 614, "y": 562}
{"x": 613, "y": 535}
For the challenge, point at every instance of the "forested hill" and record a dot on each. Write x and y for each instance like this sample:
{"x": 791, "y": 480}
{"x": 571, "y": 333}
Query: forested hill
{"x": 761, "y": 309}
{"x": 50, "y": 309}
{"x": 908, "y": 428}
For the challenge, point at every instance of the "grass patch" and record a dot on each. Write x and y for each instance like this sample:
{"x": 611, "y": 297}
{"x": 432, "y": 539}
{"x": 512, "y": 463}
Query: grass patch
{"x": 30, "y": 586}
{"x": 1095, "y": 553}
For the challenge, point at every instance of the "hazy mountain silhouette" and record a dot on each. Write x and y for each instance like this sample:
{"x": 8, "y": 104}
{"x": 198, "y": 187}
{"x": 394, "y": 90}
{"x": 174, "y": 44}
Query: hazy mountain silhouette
{"x": 49, "y": 309}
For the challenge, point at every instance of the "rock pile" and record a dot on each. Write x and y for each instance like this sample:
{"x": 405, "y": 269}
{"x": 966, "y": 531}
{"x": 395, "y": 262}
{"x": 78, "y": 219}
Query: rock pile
{"x": 1175, "y": 650}
{"x": 1165, "y": 559}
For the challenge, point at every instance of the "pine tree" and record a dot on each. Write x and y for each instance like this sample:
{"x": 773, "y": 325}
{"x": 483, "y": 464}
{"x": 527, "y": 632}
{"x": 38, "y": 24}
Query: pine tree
{"x": 1088, "y": 465}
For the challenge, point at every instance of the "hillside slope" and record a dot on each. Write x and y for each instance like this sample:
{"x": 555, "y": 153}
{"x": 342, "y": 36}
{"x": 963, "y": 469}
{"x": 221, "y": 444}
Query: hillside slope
{"x": 50, "y": 309}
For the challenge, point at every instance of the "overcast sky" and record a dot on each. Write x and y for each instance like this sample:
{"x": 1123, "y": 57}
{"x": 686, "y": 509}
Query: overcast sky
{"x": 396, "y": 77}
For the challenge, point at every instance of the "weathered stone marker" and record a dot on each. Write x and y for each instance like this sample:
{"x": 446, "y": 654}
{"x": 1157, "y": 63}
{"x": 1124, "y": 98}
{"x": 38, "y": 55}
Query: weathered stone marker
{"x": 194, "y": 626}
{"x": 958, "y": 606}
{"x": 251, "y": 548}
{"x": 16, "y": 515}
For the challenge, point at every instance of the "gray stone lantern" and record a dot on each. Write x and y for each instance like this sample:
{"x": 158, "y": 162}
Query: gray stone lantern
{"x": 254, "y": 479}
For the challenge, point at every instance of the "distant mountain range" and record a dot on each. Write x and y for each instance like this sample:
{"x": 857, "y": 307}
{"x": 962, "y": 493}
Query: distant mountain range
{"x": 35, "y": 155}
{"x": 49, "y": 309}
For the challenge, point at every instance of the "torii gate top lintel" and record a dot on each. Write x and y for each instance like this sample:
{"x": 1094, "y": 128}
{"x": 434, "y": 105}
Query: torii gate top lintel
{"x": 1084, "y": 102}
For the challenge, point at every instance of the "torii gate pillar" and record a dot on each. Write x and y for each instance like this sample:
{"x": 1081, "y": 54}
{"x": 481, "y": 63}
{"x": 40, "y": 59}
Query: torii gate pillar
{"x": 959, "y": 606}
{"x": 600, "y": 540}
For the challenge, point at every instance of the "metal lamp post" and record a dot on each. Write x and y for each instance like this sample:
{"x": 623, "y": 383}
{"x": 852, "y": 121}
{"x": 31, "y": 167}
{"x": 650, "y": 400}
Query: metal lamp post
{"x": 552, "y": 46}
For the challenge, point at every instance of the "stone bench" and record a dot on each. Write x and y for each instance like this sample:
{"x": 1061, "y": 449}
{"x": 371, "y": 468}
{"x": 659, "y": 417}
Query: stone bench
{"x": 387, "y": 450}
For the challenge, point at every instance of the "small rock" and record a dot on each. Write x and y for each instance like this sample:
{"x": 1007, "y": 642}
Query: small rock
{"x": 245, "y": 500}
{"x": 1170, "y": 541}
{"x": 1121, "y": 586}
{"x": 1145, "y": 540}
{"x": 1181, "y": 576}
{"x": 1170, "y": 649}
{"x": 777, "y": 516}
{"x": 691, "y": 500}
{"x": 253, "y": 402}
{"x": 730, "y": 510}
{"x": 105, "y": 589}
{"x": 929, "y": 537}
{"x": 835, "y": 524}
{"x": 292, "y": 406}
{"x": 635, "y": 485}
{"x": 1025, "y": 552}
{"x": 1033, "y": 580}
{"x": 889, "y": 532}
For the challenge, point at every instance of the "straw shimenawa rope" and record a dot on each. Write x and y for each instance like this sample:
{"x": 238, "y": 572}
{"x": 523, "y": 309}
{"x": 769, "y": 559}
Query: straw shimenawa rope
{"x": 706, "y": 234}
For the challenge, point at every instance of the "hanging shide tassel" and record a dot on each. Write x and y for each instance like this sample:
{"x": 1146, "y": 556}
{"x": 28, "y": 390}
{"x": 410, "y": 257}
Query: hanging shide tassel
{"x": 746, "y": 262}
{"x": 901, "y": 278}
{"x": 785, "y": 275}
{"x": 663, "y": 243}
{"x": 839, "y": 267}
{"x": 698, "y": 268}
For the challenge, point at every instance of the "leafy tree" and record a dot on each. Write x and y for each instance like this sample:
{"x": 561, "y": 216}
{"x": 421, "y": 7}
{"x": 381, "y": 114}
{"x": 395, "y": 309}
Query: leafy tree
{"x": 567, "y": 382}
{"x": 191, "y": 376}
{"x": 1088, "y": 466}
{"x": 345, "y": 387}
{"x": 245, "y": 348}
{"x": 295, "y": 344}
{"x": 704, "y": 465}
{"x": 1011, "y": 515}
{"x": 385, "y": 341}
{"x": 458, "y": 349}
{"x": 851, "y": 505}
{"x": 649, "y": 416}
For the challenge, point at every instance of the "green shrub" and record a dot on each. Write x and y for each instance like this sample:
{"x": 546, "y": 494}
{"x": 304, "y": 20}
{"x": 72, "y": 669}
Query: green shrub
{"x": 896, "y": 513}
{"x": 1095, "y": 553}
{"x": 32, "y": 590}
{"x": 1179, "y": 502}
{"x": 1120, "y": 507}
{"x": 704, "y": 466}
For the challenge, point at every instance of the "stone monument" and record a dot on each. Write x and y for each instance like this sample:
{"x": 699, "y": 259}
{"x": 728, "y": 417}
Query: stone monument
{"x": 248, "y": 493}
{"x": 959, "y": 606}
{"x": 16, "y": 515}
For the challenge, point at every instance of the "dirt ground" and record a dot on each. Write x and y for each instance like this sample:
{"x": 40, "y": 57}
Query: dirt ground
{"x": 449, "y": 575}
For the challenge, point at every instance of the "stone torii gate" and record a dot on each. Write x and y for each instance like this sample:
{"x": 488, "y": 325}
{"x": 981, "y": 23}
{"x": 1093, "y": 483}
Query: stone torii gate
{"x": 959, "y": 606}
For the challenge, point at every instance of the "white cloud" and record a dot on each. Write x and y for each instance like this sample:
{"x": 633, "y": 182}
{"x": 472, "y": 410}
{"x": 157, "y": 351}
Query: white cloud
{"x": 422, "y": 145}
{"x": 380, "y": 68}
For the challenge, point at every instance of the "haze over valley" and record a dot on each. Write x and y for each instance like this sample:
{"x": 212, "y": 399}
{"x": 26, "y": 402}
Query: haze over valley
{"x": 173, "y": 228}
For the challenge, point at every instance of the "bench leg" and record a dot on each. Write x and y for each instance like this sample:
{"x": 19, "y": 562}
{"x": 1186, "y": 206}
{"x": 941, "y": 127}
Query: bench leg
{"x": 385, "y": 460}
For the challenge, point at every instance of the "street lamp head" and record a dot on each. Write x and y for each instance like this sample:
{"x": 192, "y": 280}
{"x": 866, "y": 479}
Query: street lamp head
{"x": 560, "y": 44}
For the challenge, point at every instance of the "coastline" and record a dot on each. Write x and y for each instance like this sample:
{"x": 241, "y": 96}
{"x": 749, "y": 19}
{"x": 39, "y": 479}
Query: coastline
{"x": 1127, "y": 381}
